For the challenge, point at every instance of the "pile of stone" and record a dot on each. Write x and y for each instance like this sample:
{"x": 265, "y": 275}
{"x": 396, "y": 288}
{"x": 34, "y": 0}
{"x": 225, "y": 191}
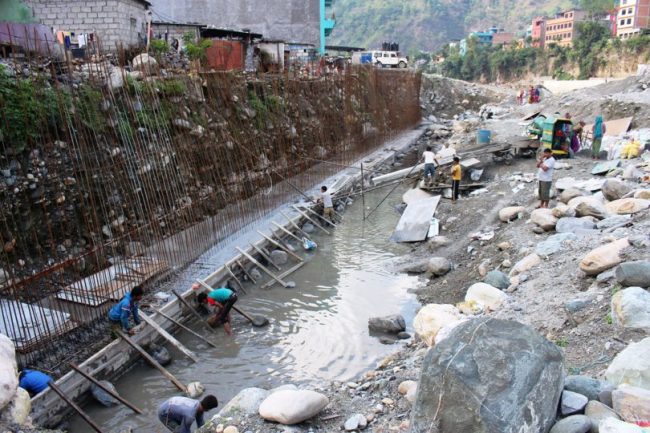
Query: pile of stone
{"x": 15, "y": 403}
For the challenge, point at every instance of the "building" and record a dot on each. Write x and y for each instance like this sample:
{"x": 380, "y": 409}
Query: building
{"x": 304, "y": 21}
{"x": 502, "y": 38}
{"x": 173, "y": 33}
{"x": 538, "y": 32}
{"x": 231, "y": 50}
{"x": 562, "y": 30}
{"x": 632, "y": 18}
{"x": 112, "y": 22}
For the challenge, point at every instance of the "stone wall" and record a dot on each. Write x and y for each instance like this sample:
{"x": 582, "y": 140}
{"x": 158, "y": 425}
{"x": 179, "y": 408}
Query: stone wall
{"x": 289, "y": 20}
{"x": 114, "y": 21}
{"x": 173, "y": 31}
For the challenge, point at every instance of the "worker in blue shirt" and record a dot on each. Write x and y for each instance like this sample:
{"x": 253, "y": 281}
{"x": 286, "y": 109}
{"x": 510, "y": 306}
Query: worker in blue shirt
{"x": 33, "y": 381}
{"x": 179, "y": 413}
{"x": 120, "y": 313}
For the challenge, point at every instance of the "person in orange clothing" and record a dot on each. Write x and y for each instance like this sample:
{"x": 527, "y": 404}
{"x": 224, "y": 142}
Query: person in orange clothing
{"x": 456, "y": 174}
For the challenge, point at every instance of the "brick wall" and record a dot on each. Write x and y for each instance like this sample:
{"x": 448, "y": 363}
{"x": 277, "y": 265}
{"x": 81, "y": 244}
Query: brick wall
{"x": 114, "y": 21}
{"x": 173, "y": 31}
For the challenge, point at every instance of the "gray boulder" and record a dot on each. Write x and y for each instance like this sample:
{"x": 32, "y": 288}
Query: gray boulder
{"x": 585, "y": 385}
{"x": 614, "y": 189}
{"x": 489, "y": 375}
{"x": 554, "y": 243}
{"x": 570, "y": 193}
{"x": 612, "y": 221}
{"x": 596, "y": 411}
{"x": 438, "y": 266}
{"x": 572, "y": 403}
{"x": 497, "y": 279}
{"x": 574, "y": 225}
{"x": 393, "y": 324}
{"x": 279, "y": 257}
{"x": 633, "y": 274}
{"x": 572, "y": 424}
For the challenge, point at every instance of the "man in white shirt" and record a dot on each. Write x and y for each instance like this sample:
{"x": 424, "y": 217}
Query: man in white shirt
{"x": 429, "y": 166}
{"x": 328, "y": 206}
{"x": 546, "y": 166}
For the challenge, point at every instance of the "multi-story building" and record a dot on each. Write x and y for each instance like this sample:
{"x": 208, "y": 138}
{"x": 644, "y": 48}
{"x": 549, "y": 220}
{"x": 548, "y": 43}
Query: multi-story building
{"x": 633, "y": 16}
{"x": 303, "y": 21}
{"x": 538, "y": 31}
{"x": 562, "y": 30}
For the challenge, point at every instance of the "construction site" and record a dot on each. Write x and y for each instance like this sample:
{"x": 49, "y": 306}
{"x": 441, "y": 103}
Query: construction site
{"x": 120, "y": 171}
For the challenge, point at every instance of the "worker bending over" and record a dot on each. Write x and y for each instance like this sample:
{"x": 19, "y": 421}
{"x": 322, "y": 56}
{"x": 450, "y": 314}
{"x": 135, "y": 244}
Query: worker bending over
{"x": 224, "y": 299}
{"x": 179, "y": 413}
{"x": 127, "y": 308}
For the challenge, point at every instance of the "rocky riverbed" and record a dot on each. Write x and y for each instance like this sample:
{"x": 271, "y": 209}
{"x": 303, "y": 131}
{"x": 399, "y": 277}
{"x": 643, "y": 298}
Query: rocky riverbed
{"x": 533, "y": 320}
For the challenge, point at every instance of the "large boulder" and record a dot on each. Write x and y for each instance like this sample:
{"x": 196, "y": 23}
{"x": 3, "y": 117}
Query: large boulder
{"x": 570, "y": 193}
{"x": 631, "y": 366}
{"x": 633, "y": 274}
{"x": 544, "y": 218}
{"x": 8, "y": 371}
{"x": 627, "y": 206}
{"x": 574, "y": 225}
{"x": 597, "y": 412}
{"x": 589, "y": 206}
{"x": 611, "y": 425}
{"x": 612, "y": 221}
{"x": 432, "y": 318}
{"x": 572, "y": 403}
{"x": 486, "y": 296}
{"x": 613, "y": 189}
{"x": 563, "y": 211}
{"x": 554, "y": 243}
{"x": 604, "y": 257}
{"x": 145, "y": 63}
{"x": 292, "y": 406}
{"x": 584, "y": 385}
{"x": 279, "y": 257}
{"x": 631, "y": 308}
{"x": 632, "y": 403}
{"x": 246, "y": 402}
{"x": 393, "y": 324}
{"x": 17, "y": 412}
{"x": 525, "y": 264}
{"x": 642, "y": 194}
{"x": 438, "y": 266}
{"x": 572, "y": 424}
{"x": 489, "y": 375}
{"x": 511, "y": 213}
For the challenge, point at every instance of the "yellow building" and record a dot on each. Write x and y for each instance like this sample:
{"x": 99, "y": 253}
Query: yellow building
{"x": 632, "y": 16}
{"x": 562, "y": 30}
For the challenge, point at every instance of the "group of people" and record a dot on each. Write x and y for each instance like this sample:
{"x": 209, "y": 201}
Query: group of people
{"x": 178, "y": 413}
{"x": 430, "y": 163}
{"x": 532, "y": 96}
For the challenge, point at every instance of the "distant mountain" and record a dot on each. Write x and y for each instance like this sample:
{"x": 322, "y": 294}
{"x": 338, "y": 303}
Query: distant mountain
{"x": 428, "y": 24}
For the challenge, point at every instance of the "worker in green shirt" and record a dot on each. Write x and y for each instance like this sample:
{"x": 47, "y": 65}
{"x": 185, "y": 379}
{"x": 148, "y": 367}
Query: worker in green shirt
{"x": 224, "y": 299}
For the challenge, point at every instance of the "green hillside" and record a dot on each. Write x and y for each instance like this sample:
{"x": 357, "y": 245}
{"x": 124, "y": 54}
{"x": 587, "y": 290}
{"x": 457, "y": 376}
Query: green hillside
{"x": 428, "y": 24}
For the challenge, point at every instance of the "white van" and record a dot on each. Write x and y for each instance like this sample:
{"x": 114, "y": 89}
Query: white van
{"x": 389, "y": 59}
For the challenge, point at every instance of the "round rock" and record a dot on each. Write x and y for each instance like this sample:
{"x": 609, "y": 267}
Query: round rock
{"x": 572, "y": 424}
{"x": 572, "y": 403}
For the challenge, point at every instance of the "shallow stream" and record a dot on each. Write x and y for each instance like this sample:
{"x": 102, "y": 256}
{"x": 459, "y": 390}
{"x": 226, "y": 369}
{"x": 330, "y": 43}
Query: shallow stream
{"x": 318, "y": 329}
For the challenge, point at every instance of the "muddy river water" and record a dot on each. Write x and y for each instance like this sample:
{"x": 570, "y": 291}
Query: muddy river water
{"x": 318, "y": 330}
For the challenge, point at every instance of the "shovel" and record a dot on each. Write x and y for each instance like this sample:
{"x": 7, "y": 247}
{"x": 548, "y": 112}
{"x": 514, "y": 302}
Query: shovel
{"x": 257, "y": 321}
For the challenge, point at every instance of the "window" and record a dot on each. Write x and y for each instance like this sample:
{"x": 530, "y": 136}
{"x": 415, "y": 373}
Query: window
{"x": 386, "y": 55}
{"x": 629, "y": 20}
{"x": 570, "y": 35}
{"x": 570, "y": 25}
{"x": 630, "y": 11}
{"x": 393, "y": 55}
{"x": 622, "y": 22}
{"x": 623, "y": 11}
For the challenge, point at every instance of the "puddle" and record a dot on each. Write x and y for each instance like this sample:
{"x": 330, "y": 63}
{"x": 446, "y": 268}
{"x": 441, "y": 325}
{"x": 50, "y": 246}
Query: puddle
{"x": 318, "y": 330}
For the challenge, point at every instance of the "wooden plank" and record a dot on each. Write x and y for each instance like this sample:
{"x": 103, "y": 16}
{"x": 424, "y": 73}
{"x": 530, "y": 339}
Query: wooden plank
{"x": 282, "y": 247}
{"x": 286, "y": 231}
{"x": 170, "y": 338}
{"x": 296, "y": 226}
{"x": 193, "y": 311}
{"x": 245, "y": 271}
{"x": 76, "y": 408}
{"x": 311, "y": 220}
{"x": 414, "y": 224}
{"x": 235, "y": 278}
{"x": 262, "y": 267}
{"x": 152, "y": 361}
{"x": 284, "y": 274}
{"x": 180, "y": 325}
{"x": 107, "y": 390}
{"x": 263, "y": 254}
{"x": 308, "y": 209}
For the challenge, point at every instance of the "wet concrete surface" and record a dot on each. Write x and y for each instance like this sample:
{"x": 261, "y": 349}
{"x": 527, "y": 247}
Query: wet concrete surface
{"x": 318, "y": 330}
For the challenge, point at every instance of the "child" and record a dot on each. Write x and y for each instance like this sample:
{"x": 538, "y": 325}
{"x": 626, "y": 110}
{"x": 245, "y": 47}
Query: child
{"x": 456, "y": 174}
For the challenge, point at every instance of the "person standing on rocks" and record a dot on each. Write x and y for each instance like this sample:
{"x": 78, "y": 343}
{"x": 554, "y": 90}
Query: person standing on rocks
{"x": 546, "y": 166}
{"x": 121, "y": 312}
{"x": 179, "y": 413}
{"x": 598, "y": 131}
{"x": 223, "y": 298}
{"x": 430, "y": 163}
{"x": 456, "y": 174}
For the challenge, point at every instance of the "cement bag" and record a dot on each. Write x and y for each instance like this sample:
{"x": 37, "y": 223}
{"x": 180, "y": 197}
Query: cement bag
{"x": 308, "y": 244}
{"x": 160, "y": 354}
{"x": 195, "y": 389}
{"x": 102, "y": 396}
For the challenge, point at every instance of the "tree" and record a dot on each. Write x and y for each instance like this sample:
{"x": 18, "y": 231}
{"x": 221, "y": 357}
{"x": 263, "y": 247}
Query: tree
{"x": 597, "y": 7}
{"x": 589, "y": 46}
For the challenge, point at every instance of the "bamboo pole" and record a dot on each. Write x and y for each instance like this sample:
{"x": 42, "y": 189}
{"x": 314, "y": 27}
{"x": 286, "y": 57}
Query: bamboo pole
{"x": 286, "y": 231}
{"x": 241, "y": 287}
{"x": 108, "y": 390}
{"x": 262, "y": 267}
{"x": 295, "y": 225}
{"x": 76, "y": 408}
{"x": 308, "y": 209}
{"x": 180, "y": 325}
{"x": 152, "y": 361}
{"x": 266, "y": 256}
{"x": 312, "y": 221}
{"x": 284, "y": 274}
{"x": 192, "y": 310}
{"x": 245, "y": 271}
{"x": 170, "y": 338}
{"x": 282, "y": 247}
